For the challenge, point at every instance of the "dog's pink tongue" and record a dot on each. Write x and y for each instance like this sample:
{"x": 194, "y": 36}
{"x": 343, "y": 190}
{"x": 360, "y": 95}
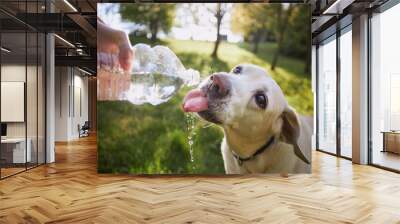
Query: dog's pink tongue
{"x": 195, "y": 101}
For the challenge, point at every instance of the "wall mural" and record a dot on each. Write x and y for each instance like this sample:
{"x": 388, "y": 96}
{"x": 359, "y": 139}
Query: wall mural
{"x": 217, "y": 88}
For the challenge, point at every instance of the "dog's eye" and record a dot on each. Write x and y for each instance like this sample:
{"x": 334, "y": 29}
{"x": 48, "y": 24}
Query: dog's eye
{"x": 237, "y": 70}
{"x": 261, "y": 100}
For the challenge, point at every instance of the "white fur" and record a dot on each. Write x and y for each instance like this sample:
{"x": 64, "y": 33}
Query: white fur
{"x": 279, "y": 158}
{"x": 247, "y": 127}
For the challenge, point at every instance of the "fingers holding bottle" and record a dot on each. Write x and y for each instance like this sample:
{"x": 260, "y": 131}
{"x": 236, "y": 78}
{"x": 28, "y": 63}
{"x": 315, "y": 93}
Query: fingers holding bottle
{"x": 114, "y": 60}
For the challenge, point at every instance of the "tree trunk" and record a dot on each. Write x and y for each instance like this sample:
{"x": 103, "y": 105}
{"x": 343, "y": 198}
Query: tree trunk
{"x": 219, "y": 16}
{"x": 276, "y": 55}
{"x": 153, "y": 31}
{"x": 283, "y": 23}
{"x": 255, "y": 46}
{"x": 258, "y": 36}
{"x": 307, "y": 68}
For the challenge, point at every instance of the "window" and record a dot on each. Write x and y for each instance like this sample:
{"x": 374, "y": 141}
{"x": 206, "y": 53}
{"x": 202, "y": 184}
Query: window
{"x": 328, "y": 109}
{"x": 326, "y": 104}
{"x": 346, "y": 92}
{"x": 385, "y": 89}
{"x": 22, "y": 77}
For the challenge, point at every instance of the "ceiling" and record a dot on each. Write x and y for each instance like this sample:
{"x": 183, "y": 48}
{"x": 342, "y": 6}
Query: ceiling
{"x": 74, "y": 22}
{"x": 332, "y": 15}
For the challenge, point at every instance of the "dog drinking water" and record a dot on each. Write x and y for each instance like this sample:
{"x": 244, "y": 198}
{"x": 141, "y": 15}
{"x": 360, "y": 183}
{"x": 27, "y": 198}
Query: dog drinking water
{"x": 262, "y": 133}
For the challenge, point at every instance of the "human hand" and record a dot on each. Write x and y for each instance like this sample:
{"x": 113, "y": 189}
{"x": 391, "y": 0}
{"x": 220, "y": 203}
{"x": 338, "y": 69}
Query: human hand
{"x": 114, "y": 49}
{"x": 114, "y": 56}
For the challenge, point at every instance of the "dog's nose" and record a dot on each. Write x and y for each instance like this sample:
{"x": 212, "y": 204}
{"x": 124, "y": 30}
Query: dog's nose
{"x": 219, "y": 84}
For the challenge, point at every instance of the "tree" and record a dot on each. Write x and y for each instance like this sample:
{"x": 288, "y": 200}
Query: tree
{"x": 252, "y": 21}
{"x": 281, "y": 23}
{"x": 258, "y": 22}
{"x": 219, "y": 14}
{"x": 298, "y": 45}
{"x": 204, "y": 15}
{"x": 154, "y": 17}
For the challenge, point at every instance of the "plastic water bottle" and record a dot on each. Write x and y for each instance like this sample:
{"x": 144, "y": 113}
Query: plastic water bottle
{"x": 156, "y": 76}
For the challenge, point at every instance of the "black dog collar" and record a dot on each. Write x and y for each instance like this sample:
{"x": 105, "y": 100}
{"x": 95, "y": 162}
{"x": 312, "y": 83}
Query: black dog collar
{"x": 259, "y": 151}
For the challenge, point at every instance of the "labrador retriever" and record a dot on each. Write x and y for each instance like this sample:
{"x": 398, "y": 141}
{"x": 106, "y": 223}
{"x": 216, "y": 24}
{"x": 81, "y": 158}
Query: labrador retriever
{"x": 262, "y": 133}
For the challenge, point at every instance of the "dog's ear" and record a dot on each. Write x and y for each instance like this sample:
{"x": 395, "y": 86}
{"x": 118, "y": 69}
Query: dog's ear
{"x": 291, "y": 131}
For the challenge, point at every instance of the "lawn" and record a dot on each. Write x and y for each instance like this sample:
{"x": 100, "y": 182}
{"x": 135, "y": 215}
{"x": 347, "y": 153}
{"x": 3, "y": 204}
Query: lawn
{"x": 154, "y": 139}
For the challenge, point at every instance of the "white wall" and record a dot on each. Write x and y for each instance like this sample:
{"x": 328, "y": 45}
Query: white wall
{"x": 80, "y": 100}
{"x": 12, "y": 73}
{"x": 62, "y": 81}
{"x": 360, "y": 89}
{"x": 71, "y": 94}
{"x": 50, "y": 95}
{"x": 33, "y": 126}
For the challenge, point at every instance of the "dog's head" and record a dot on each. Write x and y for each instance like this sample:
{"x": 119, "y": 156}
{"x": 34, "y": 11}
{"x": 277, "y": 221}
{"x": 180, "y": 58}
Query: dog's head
{"x": 246, "y": 101}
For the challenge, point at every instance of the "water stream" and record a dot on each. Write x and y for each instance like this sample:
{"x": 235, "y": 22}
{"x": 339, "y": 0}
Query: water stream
{"x": 191, "y": 120}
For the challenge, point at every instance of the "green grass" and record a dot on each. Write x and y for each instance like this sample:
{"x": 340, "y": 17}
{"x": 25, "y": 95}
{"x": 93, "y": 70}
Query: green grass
{"x": 153, "y": 139}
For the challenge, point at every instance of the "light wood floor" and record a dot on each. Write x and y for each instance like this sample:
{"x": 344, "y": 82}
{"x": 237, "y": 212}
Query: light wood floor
{"x": 5, "y": 172}
{"x": 70, "y": 191}
{"x": 10, "y": 171}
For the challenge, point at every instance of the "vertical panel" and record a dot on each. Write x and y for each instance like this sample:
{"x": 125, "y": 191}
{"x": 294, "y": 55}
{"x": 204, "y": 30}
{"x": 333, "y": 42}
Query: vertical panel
{"x": 1, "y": 129}
{"x": 327, "y": 96}
{"x": 50, "y": 99}
{"x": 14, "y": 153}
{"x": 31, "y": 100}
{"x": 24, "y": 144}
{"x": 41, "y": 99}
{"x": 92, "y": 102}
{"x": 360, "y": 90}
{"x": 346, "y": 94}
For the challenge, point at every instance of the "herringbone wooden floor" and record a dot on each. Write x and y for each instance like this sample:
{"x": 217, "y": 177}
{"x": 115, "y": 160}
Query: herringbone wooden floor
{"x": 70, "y": 191}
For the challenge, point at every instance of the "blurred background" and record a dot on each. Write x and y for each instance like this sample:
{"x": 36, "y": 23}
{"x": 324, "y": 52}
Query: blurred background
{"x": 211, "y": 37}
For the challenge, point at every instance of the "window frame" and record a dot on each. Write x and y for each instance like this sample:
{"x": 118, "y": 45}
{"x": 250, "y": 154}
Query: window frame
{"x": 339, "y": 32}
{"x": 378, "y": 10}
{"x": 31, "y": 30}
